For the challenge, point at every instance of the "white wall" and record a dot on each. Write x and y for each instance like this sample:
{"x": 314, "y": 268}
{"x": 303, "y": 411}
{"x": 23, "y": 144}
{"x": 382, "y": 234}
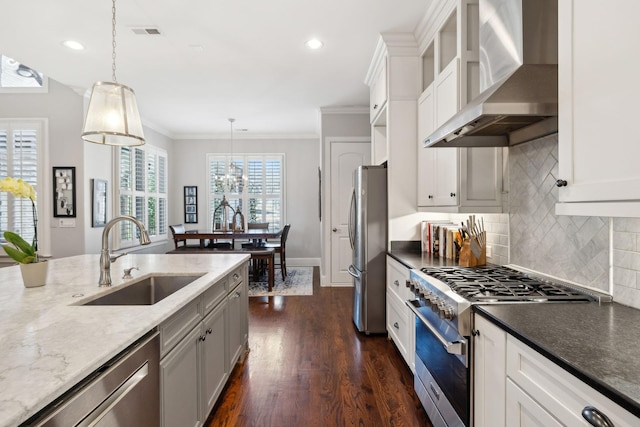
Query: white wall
{"x": 187, "y": 166}
{"x": 336, "y": 123}
{"x": 64, "y": 110}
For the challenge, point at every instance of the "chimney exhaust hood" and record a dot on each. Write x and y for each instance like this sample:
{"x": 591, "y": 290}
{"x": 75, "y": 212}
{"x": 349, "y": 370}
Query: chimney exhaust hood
{"x": 518, "y": 98}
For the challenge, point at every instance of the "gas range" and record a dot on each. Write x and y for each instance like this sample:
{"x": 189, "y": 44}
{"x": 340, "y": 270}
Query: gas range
{"x": 451, "y": 291}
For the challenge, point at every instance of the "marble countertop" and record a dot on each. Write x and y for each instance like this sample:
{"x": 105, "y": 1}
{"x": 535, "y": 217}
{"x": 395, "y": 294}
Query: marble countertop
{"x": 595, "y": 342}
{"x": 49, "y": 344}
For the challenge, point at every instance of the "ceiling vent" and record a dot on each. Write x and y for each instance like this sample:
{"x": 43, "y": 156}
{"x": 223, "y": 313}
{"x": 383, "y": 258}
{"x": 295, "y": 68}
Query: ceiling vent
{"x": 146, "y": 31}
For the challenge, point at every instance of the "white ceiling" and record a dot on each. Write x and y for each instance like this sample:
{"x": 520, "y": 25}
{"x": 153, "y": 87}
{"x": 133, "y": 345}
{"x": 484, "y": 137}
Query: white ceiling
{"x": 214, "y": 59}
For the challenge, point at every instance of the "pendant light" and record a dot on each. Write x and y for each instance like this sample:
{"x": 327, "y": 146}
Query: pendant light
{"x": 112, "y": 117}
{"x": 229, "y": 181}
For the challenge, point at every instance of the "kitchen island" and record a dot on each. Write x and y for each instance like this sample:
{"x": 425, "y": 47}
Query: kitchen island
{"x": 50, "y": 342}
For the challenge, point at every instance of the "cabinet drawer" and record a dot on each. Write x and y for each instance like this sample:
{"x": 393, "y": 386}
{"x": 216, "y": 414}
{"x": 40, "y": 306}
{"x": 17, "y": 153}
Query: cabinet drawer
{"x": 556, "y": 390}
{"x": 398, "y": 325}
{"x": 178, "y": 325}
{"x": 397, "y": 276}
{"x": 215, "y": 294}
{"x": 235, "y": 277}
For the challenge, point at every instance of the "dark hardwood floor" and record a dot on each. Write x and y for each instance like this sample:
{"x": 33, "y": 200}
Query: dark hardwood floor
{"x": 308, "y": 366}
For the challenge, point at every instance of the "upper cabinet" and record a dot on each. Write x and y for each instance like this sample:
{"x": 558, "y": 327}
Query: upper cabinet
{"x": 599, "y": 89}
{"x": 453, "y": 179}
{"x": 378, "y": 92}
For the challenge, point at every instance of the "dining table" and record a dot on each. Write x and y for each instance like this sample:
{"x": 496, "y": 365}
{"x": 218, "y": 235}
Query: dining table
{"x": 256, "y": 235}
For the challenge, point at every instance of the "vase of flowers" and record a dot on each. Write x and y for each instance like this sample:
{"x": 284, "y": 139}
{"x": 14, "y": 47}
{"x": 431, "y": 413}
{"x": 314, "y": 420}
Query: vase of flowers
{"x": 34, "y": 271}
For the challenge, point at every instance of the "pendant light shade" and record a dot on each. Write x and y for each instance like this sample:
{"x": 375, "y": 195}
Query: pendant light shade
{"x": 112, "y": 116}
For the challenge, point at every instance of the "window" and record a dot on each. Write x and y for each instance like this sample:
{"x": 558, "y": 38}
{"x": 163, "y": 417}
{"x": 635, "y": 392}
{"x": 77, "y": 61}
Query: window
{"x": 143, "y": 192}
{"x": 260, "y": 195}
{"x": 19, "y": 157}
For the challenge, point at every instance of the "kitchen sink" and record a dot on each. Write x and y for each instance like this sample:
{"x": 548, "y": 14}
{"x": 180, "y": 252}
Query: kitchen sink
{"x": 147, "y": 291}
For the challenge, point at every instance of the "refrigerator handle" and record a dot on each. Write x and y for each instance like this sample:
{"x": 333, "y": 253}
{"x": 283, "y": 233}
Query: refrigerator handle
{"x": 352, "y": 214}
{"x": 352, "y": 271}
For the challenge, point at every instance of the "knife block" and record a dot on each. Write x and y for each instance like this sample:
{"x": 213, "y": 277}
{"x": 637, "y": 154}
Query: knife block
{"x": 468, "y": 259}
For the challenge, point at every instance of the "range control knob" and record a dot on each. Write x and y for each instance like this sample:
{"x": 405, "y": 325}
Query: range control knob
{"x": 435, "y": 302}
{"x": 446, "y": 312}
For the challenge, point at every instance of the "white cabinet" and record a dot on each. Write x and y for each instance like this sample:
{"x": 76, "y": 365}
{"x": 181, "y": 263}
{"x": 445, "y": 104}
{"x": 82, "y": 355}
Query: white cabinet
{"x": 460, "y": 179}
{"x": 556, "y": 392}
{"x": 199, "y": 346}
{"x": 214, "y": 358}
{"x": 237, "y": 303}
{"x": 400, "y": 319}
{"x": 454, "y": 179}
{"x": 516, "y": 386}
{"x": 598, "y": 95}
{"x": 489, "y": 376}
{"x": 378, "y": 92}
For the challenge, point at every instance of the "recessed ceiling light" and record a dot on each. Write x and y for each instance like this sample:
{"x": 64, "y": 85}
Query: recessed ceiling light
{"x": 73, "y": 45}
{"x": 314, "y": 44}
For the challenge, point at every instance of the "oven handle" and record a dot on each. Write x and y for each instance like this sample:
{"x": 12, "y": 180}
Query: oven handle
{"x": 455, "y": 347}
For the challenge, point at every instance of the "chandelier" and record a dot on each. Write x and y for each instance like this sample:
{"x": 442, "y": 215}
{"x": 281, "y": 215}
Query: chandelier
{"x": 233, "y": 179}
{"x": 112, "y": 115}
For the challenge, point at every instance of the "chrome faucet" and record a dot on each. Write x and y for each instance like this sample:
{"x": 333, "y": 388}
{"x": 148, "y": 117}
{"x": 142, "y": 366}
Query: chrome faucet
{"x": 105, "y": 257}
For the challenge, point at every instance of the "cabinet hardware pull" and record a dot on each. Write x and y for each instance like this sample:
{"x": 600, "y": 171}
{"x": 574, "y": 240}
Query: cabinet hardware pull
{"x": 335, "y": 230}
{"x": 431, "y": 196}
{"x": 395, "y": 325}
{"x": 595, "y": 417}
{"x": 452, "y": 194}
{"x": 209, "y": 331}
{"x": 375, "y": 106}
{"x": 203, "y": 337}
{"x": 475, "y": 333}
{"x": 235, "y": 276}
{"x": 395, "y": 282}
{"x": 561, "y": 183}
{"x": 435, "y": 392}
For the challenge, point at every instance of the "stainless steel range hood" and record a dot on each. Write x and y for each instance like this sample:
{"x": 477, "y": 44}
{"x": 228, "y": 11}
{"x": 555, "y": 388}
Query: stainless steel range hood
{"x": 518, "y": 98}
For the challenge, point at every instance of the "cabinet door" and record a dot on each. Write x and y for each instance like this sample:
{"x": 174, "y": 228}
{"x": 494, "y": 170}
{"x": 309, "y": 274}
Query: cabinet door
{"x": 378, "y": 92}
{"x": 523, "y": 411}
{"x": 481, "y": 178}
{"x": 598, "y": 96}
{"x": 489, "y": 374}
{"x": 438, "y": 177}
{"x": 426, "y": 115}
{"x": 400, "y": 319}
{"x": 447, "y": 93}
{"x": 179, "y": 383}
{"x": 238, "y": 332}
{"x": 213, "y": 358}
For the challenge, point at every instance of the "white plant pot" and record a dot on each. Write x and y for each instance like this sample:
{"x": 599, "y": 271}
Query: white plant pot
{"x": 34, "y": 274}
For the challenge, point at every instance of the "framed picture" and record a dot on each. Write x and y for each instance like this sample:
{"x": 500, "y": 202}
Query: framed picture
{"x": 98, "y": 202}
{"x": 190, "y": 204}
{"x": 64, "y": 191}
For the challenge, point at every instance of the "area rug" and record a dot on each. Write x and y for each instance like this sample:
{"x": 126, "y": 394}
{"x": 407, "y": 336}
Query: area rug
{"x": 299, "y": 281}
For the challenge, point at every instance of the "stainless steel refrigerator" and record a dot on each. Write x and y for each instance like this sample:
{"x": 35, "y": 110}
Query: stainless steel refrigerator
{"x": 368, "y": 237}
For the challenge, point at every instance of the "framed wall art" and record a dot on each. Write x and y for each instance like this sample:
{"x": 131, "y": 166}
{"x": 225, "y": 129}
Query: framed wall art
{"x": 64, "y": 191}
{"x": 98, "y": 202}
{"x": 190, "y": 204}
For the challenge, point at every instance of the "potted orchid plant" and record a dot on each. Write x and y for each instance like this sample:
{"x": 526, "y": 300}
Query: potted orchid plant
{"x": 17, "y": 248}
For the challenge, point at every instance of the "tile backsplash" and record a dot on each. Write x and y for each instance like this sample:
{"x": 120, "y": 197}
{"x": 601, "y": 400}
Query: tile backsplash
{"x": 573, "y": 248}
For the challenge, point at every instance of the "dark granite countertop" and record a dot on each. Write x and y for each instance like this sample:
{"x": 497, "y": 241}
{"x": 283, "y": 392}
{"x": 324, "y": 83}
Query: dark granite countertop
{"x": 598, "y": 343}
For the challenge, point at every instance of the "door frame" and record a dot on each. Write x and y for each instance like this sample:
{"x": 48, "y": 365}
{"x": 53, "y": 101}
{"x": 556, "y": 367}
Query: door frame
{"x": 325, "y": 223}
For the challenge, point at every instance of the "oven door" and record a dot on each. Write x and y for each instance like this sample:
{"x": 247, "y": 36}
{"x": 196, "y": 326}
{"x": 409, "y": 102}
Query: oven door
{"x": 442, "y": 376}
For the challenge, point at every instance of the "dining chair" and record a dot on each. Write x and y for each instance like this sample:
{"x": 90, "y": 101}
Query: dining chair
{"x": 279, "y": 248}
{"x": 179, "y": 229}
{"x": 255, "y": 226}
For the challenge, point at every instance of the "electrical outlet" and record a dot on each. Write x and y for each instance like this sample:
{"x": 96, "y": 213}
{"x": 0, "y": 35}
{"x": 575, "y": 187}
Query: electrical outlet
{"x": 488, "y": 251}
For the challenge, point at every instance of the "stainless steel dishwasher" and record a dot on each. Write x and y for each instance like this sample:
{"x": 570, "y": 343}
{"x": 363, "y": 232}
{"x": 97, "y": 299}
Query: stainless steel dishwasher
{"x": 123, "y": 392}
